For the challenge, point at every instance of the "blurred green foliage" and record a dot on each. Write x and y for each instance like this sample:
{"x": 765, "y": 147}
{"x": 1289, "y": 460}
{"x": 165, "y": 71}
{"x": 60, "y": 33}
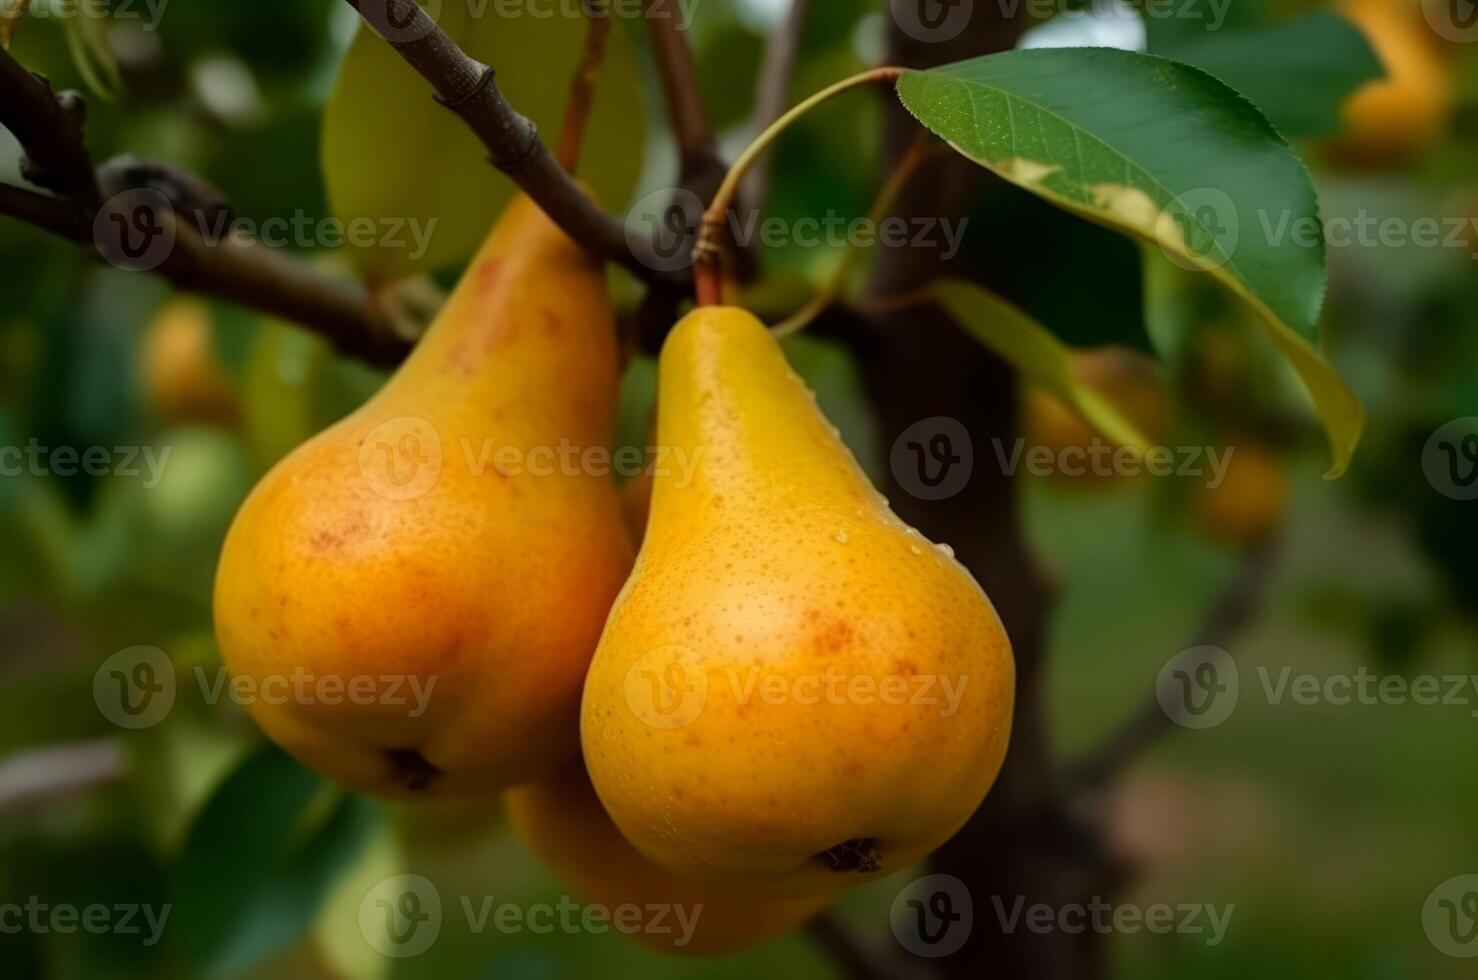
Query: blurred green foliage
{"x": 1325, "y": 826}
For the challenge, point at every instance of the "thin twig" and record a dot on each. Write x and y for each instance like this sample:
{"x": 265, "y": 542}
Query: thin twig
{"x": 772, "y": 93}
{"x": 674, "y": 60}
{"x": 1233, "y": 610}
{"x": 881, "y": 207}
{"x": 582, "y": 88}
{"x": 466, "y": 86}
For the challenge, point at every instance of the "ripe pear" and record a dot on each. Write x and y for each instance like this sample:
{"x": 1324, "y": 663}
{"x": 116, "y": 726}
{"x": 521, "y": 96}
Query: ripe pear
{"x": 562, "y": 822}
{"x": 1394, "y": 119}
{"x": 183, "y": 378}
{"x": 1125, "y": 379}
{"x": 448, "y": 547}
{"x": 794, "y": 686}
{"x": 1250, "y": 504}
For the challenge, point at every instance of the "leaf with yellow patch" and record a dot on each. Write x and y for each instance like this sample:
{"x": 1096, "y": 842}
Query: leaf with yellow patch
{"x": 1168, "y": 154}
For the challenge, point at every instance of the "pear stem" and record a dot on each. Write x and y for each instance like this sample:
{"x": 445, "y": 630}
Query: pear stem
{"x": 707, "y": 252}
{"x": 582, "y": 86}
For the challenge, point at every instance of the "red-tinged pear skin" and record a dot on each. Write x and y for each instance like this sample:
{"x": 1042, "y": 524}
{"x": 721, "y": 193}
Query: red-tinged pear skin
{"x": 445, "y": 547}
{"x": 564, "y": 825}
{"x": 794, "y": 688}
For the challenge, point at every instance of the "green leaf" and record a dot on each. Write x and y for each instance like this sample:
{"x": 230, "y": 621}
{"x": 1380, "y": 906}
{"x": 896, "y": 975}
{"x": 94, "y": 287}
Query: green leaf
{"x": 1168, "y": 154}
{"x": 390, "y": 152}
{"x": 87, "y": 41}
{"x": 1034, "y": 352}
{"x": 1299, "y": 73}
{"x": 259, "y": 860}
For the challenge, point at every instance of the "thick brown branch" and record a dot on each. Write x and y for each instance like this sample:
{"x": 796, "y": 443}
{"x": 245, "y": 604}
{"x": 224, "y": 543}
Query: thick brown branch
{"x": 1233, "y": 610}
{"x": 46, "y": 211}
{"x": 465, "y": 85}
{"x": 272, "y": 281}
{"x": 49, "y": 128}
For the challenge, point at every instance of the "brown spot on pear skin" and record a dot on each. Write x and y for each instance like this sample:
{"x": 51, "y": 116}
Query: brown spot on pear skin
{"x": 485, "y": 279}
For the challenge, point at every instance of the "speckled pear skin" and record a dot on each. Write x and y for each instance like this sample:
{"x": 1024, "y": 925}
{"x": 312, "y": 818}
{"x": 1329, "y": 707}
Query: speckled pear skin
{"x": 433, "y": 538}
{"x": 710, "y": 729}
{"x": 564, "y": 825}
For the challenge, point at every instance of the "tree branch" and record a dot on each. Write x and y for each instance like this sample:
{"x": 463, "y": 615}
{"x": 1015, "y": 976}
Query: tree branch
{"x": 49, "y": 127}
{"x": 1234, "y": 609}
{"x": 700, "y": 168}
{"x": 685, "y": 109}
{"x": 772, "y": 94}
{"x": 47, "y": 212}
{"x": 465, "y": 86}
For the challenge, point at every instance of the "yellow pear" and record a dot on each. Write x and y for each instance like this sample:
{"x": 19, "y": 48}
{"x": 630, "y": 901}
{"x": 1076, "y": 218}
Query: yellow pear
{"x": 1250, "y": 504}
{"x": 1392, "y": 119}
{"x": 794, "y": 686}
{"x": 564, "y": 825}
{"x": 182, "y": 376}
{"x": 1128, "y": 381}
{"x": 430, "y": 575}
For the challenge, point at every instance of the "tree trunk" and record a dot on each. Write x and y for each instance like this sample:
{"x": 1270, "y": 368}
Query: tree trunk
{"x": 1022, "y": 846}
